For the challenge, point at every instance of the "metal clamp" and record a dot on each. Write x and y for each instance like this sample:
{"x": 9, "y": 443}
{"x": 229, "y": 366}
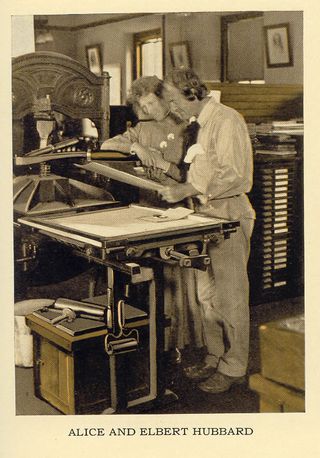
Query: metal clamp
{"x": 192, "y": 260}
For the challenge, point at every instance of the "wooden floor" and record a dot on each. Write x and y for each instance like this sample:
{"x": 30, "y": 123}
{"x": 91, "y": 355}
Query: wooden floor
{"x": 240, "y": 399}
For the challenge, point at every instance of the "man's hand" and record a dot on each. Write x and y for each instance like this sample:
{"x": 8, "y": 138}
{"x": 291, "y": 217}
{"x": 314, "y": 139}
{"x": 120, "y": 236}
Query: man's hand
{"x": 150, "y": 157}
{"x": 178, "y": 192}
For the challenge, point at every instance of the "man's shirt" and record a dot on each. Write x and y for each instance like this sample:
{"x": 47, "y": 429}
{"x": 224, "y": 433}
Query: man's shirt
{"x": 224, "y": 166}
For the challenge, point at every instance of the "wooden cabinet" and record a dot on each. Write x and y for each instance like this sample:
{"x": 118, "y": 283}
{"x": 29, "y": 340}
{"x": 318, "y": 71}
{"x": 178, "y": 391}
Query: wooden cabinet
{"x": 74, "y": 373}
{"x": 71, "y": 373}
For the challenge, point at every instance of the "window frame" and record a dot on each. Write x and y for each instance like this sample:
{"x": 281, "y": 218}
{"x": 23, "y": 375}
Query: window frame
{"x": 139, "y": 39}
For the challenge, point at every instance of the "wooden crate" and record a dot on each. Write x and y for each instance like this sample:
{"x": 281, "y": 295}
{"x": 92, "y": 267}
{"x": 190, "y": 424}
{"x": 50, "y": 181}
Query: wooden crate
{"x": 282, "y": 351}
{"x": 275, "y": 397}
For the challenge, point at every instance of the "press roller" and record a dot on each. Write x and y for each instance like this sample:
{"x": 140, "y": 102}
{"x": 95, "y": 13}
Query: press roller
{"x": 85, "y": 309}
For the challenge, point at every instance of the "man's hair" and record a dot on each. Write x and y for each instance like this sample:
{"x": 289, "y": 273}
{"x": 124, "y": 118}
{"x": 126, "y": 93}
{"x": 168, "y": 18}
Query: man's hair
{"x": 188, "y": 83}
{"x": 144, "y": 86}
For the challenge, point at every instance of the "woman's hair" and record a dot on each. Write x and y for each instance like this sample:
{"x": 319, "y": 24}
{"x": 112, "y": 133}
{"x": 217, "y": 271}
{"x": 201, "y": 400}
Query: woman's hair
{"x": 144, "y": 86}
{"x": 188, "y": 83}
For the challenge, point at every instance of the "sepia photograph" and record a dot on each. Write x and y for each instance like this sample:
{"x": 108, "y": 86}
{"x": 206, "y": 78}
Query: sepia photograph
{"x": 158, "y": 265}
{"x": 159, "y": 226}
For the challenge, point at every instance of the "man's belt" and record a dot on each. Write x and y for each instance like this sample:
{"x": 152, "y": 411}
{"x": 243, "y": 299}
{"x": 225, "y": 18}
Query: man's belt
{"x": 227, "y": 197}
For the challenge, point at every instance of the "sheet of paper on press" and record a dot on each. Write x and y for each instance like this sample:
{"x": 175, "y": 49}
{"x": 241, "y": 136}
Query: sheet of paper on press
{"x": 128, "y": 221}
{"x": 172, "y": 214}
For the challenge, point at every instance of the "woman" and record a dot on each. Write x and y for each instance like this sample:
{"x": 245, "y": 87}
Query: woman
{"x": 158, "y": 142}
{"x": 157, "y": 139}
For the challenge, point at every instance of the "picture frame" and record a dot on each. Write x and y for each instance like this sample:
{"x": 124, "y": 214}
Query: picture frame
{"x": 180, "y": 54}
{"x": 278, "y": 46}
{"x": 94, "y": 58}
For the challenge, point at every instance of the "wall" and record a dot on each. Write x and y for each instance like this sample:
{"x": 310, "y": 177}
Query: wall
{"x": 117, "y": 43}
{"x": 64, "y": 42}
{"x": 202, "y": 31}
{"x": 294, "y": 74}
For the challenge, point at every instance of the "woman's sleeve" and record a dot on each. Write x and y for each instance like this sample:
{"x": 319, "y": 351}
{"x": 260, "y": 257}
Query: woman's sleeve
{"x": 124, "y": 141}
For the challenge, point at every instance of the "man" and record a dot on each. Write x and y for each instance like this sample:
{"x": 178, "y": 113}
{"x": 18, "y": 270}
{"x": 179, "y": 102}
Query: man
{"x": 219, "y": 177}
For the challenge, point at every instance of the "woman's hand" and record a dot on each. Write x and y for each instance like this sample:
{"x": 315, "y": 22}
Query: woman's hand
{"x": 155, "y": 174}
{"x": 150, "y": 157}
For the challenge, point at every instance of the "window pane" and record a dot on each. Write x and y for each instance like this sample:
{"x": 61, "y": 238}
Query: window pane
{"x": 114, "y": 71}
{"x": 152, "y": 58}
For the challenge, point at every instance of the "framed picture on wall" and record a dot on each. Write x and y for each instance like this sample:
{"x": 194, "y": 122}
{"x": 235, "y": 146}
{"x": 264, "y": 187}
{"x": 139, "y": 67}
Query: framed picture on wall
{"x": 180, "y": 54}
{"x": 278, "y": 46}
{"x": 94, "y": 58}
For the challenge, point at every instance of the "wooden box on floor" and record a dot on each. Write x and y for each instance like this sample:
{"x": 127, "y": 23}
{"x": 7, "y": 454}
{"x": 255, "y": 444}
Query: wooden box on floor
{"x": 275, "y": 397}
{"x": 72, "y": 373}
{"x": 282, "y": 351}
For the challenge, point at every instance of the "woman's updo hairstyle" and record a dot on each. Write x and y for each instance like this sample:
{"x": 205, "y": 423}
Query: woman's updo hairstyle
{"x": 188, "y": 82}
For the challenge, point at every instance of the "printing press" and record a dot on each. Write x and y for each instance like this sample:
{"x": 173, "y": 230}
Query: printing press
{"x": 92, "y": 207}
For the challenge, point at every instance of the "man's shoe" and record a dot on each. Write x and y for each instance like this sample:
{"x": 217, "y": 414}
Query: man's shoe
{"x": 219, "y": 383}
{"x": 199, "y": 372}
